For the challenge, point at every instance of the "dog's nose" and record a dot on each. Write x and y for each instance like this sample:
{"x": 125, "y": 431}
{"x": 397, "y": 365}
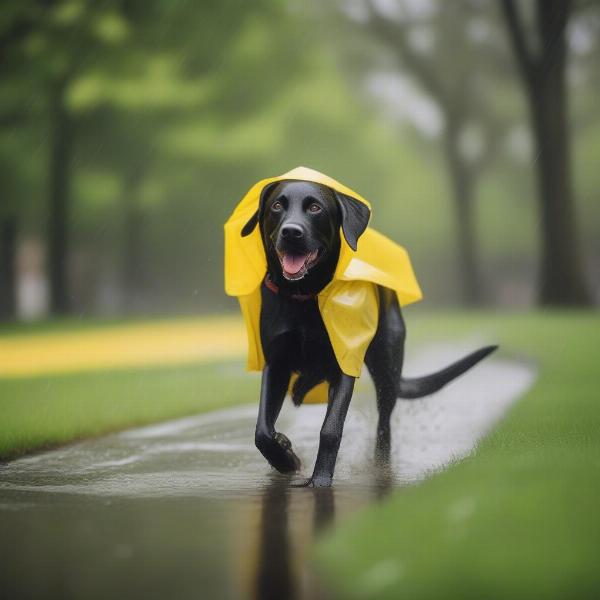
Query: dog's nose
{"x": 292, "y": 231}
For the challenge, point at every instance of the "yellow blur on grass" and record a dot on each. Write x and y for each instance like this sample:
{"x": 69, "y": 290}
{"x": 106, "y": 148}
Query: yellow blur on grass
{"x": 145, "y": 344}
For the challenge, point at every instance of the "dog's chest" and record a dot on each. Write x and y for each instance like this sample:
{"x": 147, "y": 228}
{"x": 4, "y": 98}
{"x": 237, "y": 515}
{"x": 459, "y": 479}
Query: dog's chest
{"x": 293, "y": 332}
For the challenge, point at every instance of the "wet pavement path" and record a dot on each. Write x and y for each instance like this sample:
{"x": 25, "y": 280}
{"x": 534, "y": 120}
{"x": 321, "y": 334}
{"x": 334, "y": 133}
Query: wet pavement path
{"x": 189, "y": 508}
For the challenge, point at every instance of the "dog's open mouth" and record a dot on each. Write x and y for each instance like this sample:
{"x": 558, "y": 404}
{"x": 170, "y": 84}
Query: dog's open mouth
{"x": 295, "y": 266}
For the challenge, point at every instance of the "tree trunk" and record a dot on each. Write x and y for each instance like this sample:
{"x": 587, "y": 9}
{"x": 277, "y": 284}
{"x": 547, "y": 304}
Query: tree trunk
{"x": 562, "y": 281}
{"x": 462, "y": 184}
{"x": 8, "y": 270}
{"x": 561, "y": 273}
{"x": 58, "y": 214}
{"x": 133, "y": 267}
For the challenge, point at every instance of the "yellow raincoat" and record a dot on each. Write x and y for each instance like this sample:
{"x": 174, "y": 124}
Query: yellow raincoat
{"x": 348, "y": 304}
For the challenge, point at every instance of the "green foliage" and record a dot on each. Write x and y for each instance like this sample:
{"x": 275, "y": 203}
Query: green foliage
{"x": 178, "y": 107}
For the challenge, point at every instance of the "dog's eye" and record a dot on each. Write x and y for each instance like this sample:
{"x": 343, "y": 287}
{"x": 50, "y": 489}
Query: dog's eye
{"x": 314, "y": 208}
{"x": 276, "y": 206}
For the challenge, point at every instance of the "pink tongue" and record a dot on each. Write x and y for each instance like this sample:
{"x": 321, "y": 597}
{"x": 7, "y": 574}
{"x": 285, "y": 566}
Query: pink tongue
{"x": 292, "y": 264}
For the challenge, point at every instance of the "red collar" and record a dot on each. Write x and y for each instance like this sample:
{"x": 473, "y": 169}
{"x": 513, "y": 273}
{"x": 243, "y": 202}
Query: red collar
{"x": 298, "y": 297}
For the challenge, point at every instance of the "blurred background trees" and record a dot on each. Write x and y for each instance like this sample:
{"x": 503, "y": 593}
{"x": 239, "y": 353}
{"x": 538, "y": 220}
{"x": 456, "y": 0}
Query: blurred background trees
{"x": 457, "y": 75}
{"x": 542, "y": 61}
{"x": 129, "y": 130}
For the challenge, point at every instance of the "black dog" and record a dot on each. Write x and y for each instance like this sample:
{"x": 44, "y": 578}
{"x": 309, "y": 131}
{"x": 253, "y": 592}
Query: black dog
{"x": 300, "y": 227}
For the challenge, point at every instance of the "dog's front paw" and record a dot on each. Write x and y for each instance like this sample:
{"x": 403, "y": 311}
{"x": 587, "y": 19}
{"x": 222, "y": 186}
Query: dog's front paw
{"x": 287, "y": 461}
{"x": 277, "y": 449}
{"x": 283, "y": 440}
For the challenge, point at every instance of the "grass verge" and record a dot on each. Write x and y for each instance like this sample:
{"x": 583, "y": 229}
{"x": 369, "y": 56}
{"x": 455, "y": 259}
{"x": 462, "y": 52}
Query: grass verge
{"x": 520, "y": 517}
{"x": 46, "y": 411}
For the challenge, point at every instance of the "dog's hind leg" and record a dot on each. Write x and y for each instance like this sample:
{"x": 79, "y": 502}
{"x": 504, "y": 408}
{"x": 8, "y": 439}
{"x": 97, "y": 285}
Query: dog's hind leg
{"x": 274, "y": 446}
{"x": 386, "y": 402}
{"x": 384, "y": 360}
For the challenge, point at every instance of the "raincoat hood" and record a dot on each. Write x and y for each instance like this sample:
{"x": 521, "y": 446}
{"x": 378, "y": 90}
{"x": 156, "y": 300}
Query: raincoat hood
{"x": 348, "y": 304}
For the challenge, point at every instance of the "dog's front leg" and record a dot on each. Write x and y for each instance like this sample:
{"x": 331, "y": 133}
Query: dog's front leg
{"x": 331, "y": 432}
{"x": 274, "y": 446}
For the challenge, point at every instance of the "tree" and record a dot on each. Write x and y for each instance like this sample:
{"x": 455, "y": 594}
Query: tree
{"x": 8, "y": 247}
{"x": 61, "y": 132}
{"x": 51, "y": 43}
{"x": 62, "y": 46}
{"x": 12, "y": 32}
{"x": 184, "y": 68}
{"x": 451, "y": 68}
{"x": 543, "y": 72}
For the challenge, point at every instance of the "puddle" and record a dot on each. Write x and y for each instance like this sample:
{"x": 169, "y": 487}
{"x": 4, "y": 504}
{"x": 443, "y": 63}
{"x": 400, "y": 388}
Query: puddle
{"x": 189, "y": 508}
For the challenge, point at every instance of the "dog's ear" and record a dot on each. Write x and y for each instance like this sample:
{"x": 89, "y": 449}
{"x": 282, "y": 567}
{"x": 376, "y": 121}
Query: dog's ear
{"x": 248, "y": 228}
{"x": 355, "y": 218}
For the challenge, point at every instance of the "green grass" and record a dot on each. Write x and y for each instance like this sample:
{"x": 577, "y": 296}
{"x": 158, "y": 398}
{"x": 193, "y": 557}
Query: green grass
{"x": 42, "y": 412}
{"x": 520, "y": 518}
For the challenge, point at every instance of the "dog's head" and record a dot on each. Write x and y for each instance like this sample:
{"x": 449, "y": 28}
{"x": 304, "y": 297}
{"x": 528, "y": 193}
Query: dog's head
{"x": 300, "y": 225}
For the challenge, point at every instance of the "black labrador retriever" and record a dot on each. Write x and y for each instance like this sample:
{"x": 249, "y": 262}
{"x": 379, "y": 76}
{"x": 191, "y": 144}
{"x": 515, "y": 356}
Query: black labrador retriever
{"x": 300, "y": 227}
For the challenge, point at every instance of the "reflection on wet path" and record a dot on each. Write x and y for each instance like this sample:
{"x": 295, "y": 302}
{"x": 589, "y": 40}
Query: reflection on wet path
{"x": 190, "y": 509}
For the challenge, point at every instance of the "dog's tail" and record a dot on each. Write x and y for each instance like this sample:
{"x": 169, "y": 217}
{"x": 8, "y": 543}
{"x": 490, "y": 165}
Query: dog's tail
{"x": 417, "y": 387}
